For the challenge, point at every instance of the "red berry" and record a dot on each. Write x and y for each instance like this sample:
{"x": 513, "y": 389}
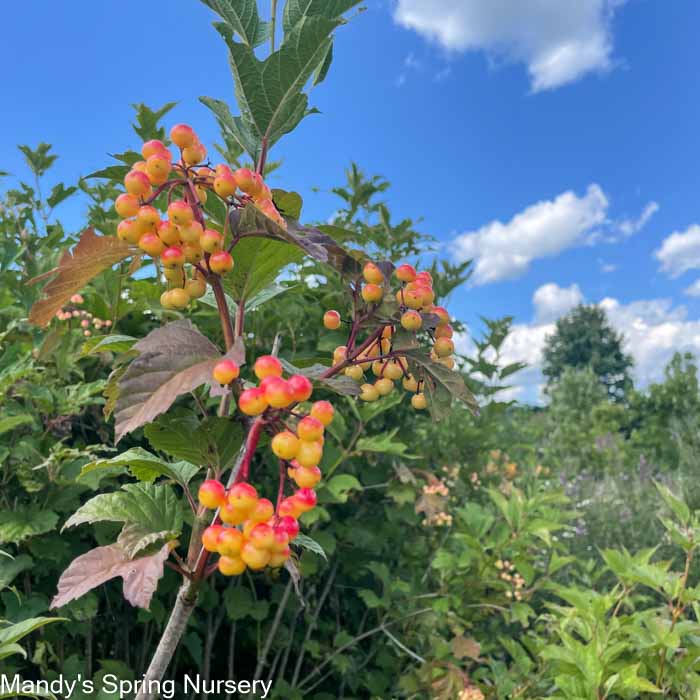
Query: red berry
{"x": 372, "y": 273}
{"x": 301, "y": 387}
{"x": 221, "y": 262}
{"x": 252, "y": 402}
{"x": 289, "y": 525}
{"x": 406, "y": 273}
{"x": 173, "y": 257}
{"x": 212, "y": 494}
{"x": 306, "y": 499}
{"x": 182, "y": 135}
{"x": 210, "y": 538}
{"x": 372, "y": 293}
{"x": 310, "y": 428}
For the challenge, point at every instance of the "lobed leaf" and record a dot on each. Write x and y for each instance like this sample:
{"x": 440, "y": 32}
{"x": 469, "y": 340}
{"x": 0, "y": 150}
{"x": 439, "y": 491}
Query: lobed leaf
{"x": 101, "y": 564}
{"x": 17, "y": 526}
{"x": 242, "y": 18}
{"x": 340, "y": 384}
{"x": 90, "y": 256}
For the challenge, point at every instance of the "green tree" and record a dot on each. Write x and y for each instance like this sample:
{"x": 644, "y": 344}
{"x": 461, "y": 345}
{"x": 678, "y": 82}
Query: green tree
{"x": 585, "y": 338}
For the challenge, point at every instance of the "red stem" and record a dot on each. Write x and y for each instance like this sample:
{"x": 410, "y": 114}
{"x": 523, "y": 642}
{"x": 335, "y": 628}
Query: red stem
{"x": 280, "y": 491}
{"x": 250, "y": 447}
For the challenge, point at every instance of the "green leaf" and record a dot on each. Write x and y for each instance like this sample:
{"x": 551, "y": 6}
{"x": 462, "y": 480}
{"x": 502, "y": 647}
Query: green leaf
{"x": 305, "y": 542}
{"x": 144, "y": 466}
{"x": 341, "y": 485}
{"x": 59, "y": 193}
{"x": 242, "y": 19}
{"x": 38, "y": 159}
{"x": 238, "y": 602}
{"x": 258, "y": 263}
{"x": 155, "y": 507}
{"x": 11, "y": 568}
{"x": 108, "y": 343}
{"x": 17, "y": 526}
{"x": 231, "y": 126}
{"x": 370, "y": 598}
{"x": 10, "y": 634}
{"x": 339, "y": 383}
{"x": 11, "y": 422}
{"x": 265, "y": 295}
{"x": 147, "y": 119}
{"x": 270, "y": 93}
{"x": 677, "y": 505}
{"x": 288, "y": 203}
{"x": 441, "y": 385}
{"x": 214, "y": 441}
{"x": 383, "y": 442}
{"x": 174, "y": 359}
{"x": 115, "y": 173}
{"x": 371, "y": 410}
{"x": 296, "y": 10}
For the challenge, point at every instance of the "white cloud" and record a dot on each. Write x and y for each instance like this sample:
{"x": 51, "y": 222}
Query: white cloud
{"x": 628, "y": 227}
{"x": 654, "y": 330}
{"x": 680, "y": 251}
{"x": 693, "y": 290}
{"x": 505, "y": 250}
{"x": 552, "y": 301}
{"x": 559, "y": 41}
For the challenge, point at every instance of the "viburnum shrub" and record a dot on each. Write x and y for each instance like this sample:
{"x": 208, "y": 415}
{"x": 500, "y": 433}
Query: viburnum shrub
{"x": 216, "y": 234}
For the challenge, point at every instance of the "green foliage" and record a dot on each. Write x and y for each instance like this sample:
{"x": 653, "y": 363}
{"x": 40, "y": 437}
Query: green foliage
{"x": 585, "y": 338}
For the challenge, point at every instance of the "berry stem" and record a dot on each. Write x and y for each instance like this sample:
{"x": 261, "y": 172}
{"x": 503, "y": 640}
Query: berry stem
{"x": 250, "y": 447}
{"x": 332, "y": 371}
{"x": 280, "y": 490}
{"x": 224, "y": 313}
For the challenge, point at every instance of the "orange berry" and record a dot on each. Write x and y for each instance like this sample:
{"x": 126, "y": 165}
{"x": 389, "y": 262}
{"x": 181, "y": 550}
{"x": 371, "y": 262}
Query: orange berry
{"x": 137, "y": 183}
{"x": 323, "y": 411}
{"x": 262, "y": 536}
{"x": 418, "y": 401}
{"x": 210, "y": 538}
{"x": 158, "y": 167}
{"x": 168, "y": 233}
{"x": 190, "y": 233}
{"x": 372, "y": 273}
{"x": 289, "y": 508}
{"x": 372, "y": 293}
{"x": 147, "y": 218}
{"x": 232, "y": 515}
{"x": 300, "y": 386}
{"x": 128, "y": 231}
{"x": 444, "y": 347}
{"x": 196, "y": 287}
{"x": 151, "y": 148}
{"x": 252, "y": 402}
{"x": 151, "y": 244}
{"x": 406, "y": 273}
{"x": 226, "y": 371}
{"x": 267, "y": 366}
{"x": 230, "y": 542}
{"x": 180, "y": 212}
{"x": 288, "y": 524}
{"x": 278, "y": 392}
{"x": 211, "y": 241}
{"x": 309, "y": 453}
{"x": 331, "y": 320}
{"x": 231, "y": 566}
{"x": 255, "y": 558}
{"x": 310, "y": 428}
{"x": 225, "y": 186}
{"x": 243, "y": 495}
{"x": 384, "y": 386}
{"x": 442, "y": 314}
{"x": 444, "y": 331}
{"x": 285, "y": 445}
{"x": 126, "y": 205}
{"x": 182, "y": 135}
{"x": 278, "y": 559}
{"x": 306, "y": 477}
{"x": 221, "y": 262}
{"x": 411, "y": 320}
{"x": 263, "y": 511}
{"x": 172, "y": 257}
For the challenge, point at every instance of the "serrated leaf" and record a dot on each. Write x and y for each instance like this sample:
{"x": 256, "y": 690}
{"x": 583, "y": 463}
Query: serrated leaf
{"x": 270, "y": 93}
{"x": 383, "y": 442}
{"x": 60, "y": 193}
{"x": 90, "y": 256}
{"x": 173, "y": 360}
{"x": 258, "y": 263}
{"x": 441, "y": 385}
{"x": 265, "y": 295}
{"x": 305, "y": 542}
{"x": 215, "y": 441}
{"x": 296, "y": 10}
{"x": 134, "y": 538}
{"x": 108, "y": 343}
{"x": 99, "y": 565}
{"x": 155, "y": 507}
{"x": 340, "y": 486}
{"x": 146, "y": 126}
{"x": 17, "y": 526}
{"x": 675, "y": 504}
{"x": 232, "y": 126}
{"x": 242, "y": 17}
{"x": 288, "y": 203}
{"x": 11, "y": 568}
{"x": 144, "y": 466}
{"x": 115, "y": 173}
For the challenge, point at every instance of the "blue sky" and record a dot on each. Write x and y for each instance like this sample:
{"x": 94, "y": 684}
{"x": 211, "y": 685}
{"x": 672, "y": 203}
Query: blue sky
{"x": 553, "y": 141}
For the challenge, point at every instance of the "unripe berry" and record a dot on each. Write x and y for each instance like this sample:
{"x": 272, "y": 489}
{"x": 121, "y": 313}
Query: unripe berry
{"x": 128, "y": 231}
{"x": 202, "y": 193}
{"x": 85, "y": 323}
{"x": 172, "y": 257}
{"x": 263, "y": 511}
{"x": 419, "y": 402}
{"x": 210, "y": 538}
{"x": 193, "y": 252}
{"x": 323, "y": 411}
{"x": 211, "y": 241}
{"x": 288, "y": 524}
{"x": 191, "y": 233}
{"x": 151, "y": 148}
{"x": 126, "y": 205}
{"x": 230, "y": 542}
{"x": 226, "y": 371}
{"x": 165, "y": 300}
{"x": 221, "y": 262}
{"x": 411, "y": 320}
{"x": 87, "y": 334}
{"x": 306, "y": 477}
{"x": 369, "y": 392}
{"x": 231, "y": 566}
{"x": 196, "y": 287}
{"x": 178, "y": 298}
{"x": 182, "y": 135}
{"x": 180, "y": 212}
{"x": 252, "y": 402}
{"x": 410, "y": 383}
{"x": 285, "y": 445}
{"x": 406, "y": 272}
{"x": 444, "y": 347}
{"x": 372, "y": 293}
{"x": 331, "y": 319}
{"x": 168, "y": 233}
{"x": 278, "y": 392}
{"x": 255, "y": 558}
{"x": 158, "y": 168}
{"x": 393, "y": 370}
{"x": 151, "y": 244}
{"x": 267, "y": 366}
{"x": 444, "y": 331}
{"x": 137, "y": 183}
{"x": 243, "y": 496}
{"x": 372, "y": 273}
{"x": 309, "y": 453}
{"x": 224, "y": 186}
{"x": 262, "y": 536}
{"x": 300, "y": 386}
{"x": 176, "y": 275}
{"x": 306, "y": 498}
{"x": 354, "y": 372}
{"x": 310, "y": 429}
{"x": 384, "y": 386}
{"x": 378, "y": 367}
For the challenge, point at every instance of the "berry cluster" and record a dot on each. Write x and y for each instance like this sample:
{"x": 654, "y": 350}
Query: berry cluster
{"x": 440, "y": 518}
{"x": 472, "y": 693}
{"x": 418, "y": 316}
{"x": 262, "y": 538}
{"x": 510, "y": 575}
{"x": 297, "y": 442}
{"x": 184, "y": 237}
{"x": 86, "y": 319}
